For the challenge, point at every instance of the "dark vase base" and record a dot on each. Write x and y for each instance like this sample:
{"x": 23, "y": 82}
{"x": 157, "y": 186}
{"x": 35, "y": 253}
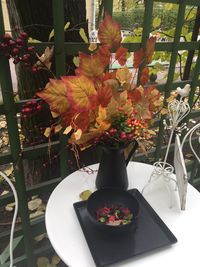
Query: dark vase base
{"x": 112, "y": 171}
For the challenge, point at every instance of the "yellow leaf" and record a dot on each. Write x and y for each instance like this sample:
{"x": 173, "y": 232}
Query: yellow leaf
{"x": 54, "y": 114}
{"x": 76, "y": 61}
{"x": 91, "y": 65}
{"x": 83, "y": 35}
{"x": 55, "y": 260}
{"x": 85, "y": 194}
{"x": 171, "y": 97}
{"x": 78, "y": 134}
{"x": 164, "y": 111}
{"x": 9, "y": 208}
{"x": 3, "y": 124}
{"x": 101, "y": 115}
{"x": 45, "y": 59}
{"x": 9, "y": 170}
{"x": 47, "y": 132}
{"x": 81, "y": 92}
{"x": 5, "y": 191}
{"x": 142, "y": 147}
{"x": 31, "y": 40}
{"x": 55, "y": 94}
{"x": 39, "y": 238}
{"x": 51, "y": 35}
{"x": 151, "y": 132}
{"x": 156, "y": 22}
{"x": 92, "y": 47}
{"x": 58, "y": 128}
{"x": 66, "y": 25}
{"x": 36, "y": 214}
{"x": 42, "y": 262}
{"x": 123, "y": 75}
{"x": 34, "y": 204}
{"x": 102, "y": 119}
{"x": 67, "y": 130}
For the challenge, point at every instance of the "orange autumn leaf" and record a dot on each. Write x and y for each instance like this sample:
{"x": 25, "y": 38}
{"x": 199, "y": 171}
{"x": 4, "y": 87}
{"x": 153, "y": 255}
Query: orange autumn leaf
{"x": 138, "y": 57}
{"x": 102, "y": 118}
{"x": 141, "y": 104}
{"x": 121, "y": 55}
{"x": 104, "y": 95}
{"x": 92, "y": 47}
{"x": 55, "y": 94}
{"x": 154, "y": 98}
{"x": 101, "y": 126}
{"x": 120, "y": 101}
{"x": 109, "y": 32}
{"x": 85, "y": 140}
{"x": 144, "y": 76}
{"x": 90, "y": 65}
{"x": 123, "y": 75}
{"x": 150, "y": 46}
{"x": 81, "y": 92}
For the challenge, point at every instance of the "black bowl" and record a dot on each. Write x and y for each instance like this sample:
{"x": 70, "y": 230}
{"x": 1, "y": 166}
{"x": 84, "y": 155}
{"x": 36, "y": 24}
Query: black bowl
{"x": 112, "y": 197}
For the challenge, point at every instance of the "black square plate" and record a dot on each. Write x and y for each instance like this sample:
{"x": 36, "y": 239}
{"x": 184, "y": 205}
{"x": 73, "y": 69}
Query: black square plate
{"x": 151, "y": 233}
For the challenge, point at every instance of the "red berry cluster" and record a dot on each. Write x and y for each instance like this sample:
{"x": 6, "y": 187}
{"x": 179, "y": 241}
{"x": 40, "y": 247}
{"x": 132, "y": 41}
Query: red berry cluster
{"x": 125, "y": 128}
{"x": 19, "y": 50}
{"x": 31, "y": 108}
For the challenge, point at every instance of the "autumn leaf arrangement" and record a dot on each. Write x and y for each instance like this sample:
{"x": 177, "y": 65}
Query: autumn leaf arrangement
{"x": 102, "y": 106}
{"x": 98, "y": 105}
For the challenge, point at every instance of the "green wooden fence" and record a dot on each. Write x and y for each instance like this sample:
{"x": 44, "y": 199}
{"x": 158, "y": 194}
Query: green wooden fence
{"x": 31, "y": 228}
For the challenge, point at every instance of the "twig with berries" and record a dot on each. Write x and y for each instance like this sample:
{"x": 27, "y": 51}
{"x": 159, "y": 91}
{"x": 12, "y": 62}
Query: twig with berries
{"x": 21, "y": 52}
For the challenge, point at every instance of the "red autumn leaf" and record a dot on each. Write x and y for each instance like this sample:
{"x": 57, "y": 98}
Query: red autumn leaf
{"x": 77, "y": 120}
{"x": 150, "y": 46}
{"x": 135, "y": 95}
{"x": 110, "y": 75}
{"x": 66, "y": 117}
{"x": 82, "y": 121}
{"x": 121, "y": 55}
{"x": 81, "y": 92}
{"x": 104, "y": 95}
{"x": 109, "y": 32}
{"x": 90, "y": 65}
{"x": 104, "y": 54}
{"x": 145, "y": 76}
{"x": 138, "y": 57}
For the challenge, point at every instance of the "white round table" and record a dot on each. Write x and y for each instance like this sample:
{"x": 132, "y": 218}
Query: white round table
{"x": 68, "y": 240}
